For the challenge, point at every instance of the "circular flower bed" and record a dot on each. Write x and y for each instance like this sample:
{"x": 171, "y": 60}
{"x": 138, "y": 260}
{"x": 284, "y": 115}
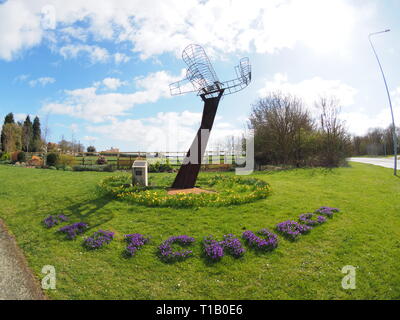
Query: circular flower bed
{"x": 229, "y": 190}
{"x": 167, "y": 252}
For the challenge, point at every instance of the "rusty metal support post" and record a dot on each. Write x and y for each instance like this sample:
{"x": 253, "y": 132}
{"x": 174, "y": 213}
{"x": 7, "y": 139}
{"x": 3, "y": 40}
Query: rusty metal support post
{"x": 189, "y": 170}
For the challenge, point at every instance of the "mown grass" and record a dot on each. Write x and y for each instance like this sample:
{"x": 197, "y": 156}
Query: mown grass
{"x": 366, "y": 235}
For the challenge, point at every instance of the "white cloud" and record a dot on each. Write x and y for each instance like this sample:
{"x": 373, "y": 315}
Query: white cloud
{"x": 155, "y": 27}
{"x": 19, "y": 29}
{"x": 165, "y": 131}
{"x": 89, "y": 104}
{"x": 21, "y": 78}
{"x": 74, "y": 128}
{"x": 310, "y": 90}
{"x": 111, "y": 83}
{"x": 74, "y": 33}
{"x": 396, "y": 97}
{"x": 43, "y": 81}
{"x": 239, "y": 25}
{"x": 22, "y": 116}
{"x": 223, "y": 125}
{"x": 95, "y": 53}
{"x": 359, "y": 121}
{"x": 90, "y": 138}
{"x": 121, "y": 58}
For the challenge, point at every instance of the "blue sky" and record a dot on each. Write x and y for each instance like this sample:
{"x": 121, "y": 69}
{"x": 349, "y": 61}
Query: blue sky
{"x": 99, "y": 70}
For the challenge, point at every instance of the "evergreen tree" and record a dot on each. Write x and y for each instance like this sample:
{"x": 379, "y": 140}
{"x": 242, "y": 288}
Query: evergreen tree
{"x": 12, "y": 137}
{"x": 36, "y": 135}
{"x": 8, "y": 119}
{"x": 27, "y": 135}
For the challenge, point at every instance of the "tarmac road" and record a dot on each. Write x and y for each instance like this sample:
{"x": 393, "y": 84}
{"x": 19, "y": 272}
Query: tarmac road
{"x": 381, "y": 162}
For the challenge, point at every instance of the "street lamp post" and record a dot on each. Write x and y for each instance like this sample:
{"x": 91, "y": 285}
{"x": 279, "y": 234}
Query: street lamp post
{"x": 390, "y": 100}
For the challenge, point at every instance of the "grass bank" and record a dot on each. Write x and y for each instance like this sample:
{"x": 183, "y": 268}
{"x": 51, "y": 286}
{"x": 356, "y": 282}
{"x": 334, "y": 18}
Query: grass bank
{"x": 366, "y": 235}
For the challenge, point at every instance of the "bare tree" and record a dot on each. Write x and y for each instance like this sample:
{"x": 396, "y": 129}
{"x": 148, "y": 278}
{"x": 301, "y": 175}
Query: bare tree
{"x": 377, "y": 141}
{"x": 335, "y": 142}
{"x": 281, "y": 125}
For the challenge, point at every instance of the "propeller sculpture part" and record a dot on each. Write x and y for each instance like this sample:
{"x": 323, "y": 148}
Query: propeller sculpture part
{"x": 201, "y": 77}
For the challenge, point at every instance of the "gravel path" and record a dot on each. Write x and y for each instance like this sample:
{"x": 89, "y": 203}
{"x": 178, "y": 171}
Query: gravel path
{"x": 16, "y": 280}
{"x": 381, "y": 162}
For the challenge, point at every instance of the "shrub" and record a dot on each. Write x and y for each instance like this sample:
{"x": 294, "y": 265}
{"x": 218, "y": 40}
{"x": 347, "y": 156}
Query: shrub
{"x": 52, "y": 159}
{"x": 108, "y": 168}
{"x": 98, "y": 239}
{"x": 67, "y": 168}
{"x": 96, "y": 168}
{"x": 52, "y": 168}
{"x": 81, "y": 168}
{"x": 160, "y": 167}
{"x": 35, "y": 161}
{"x": 65, "y": 160}
{"x": 5, "y": 156}
{"x": 21, "y": 157}
{"x": 322, "y": 141}
{"x": 14, "y": 156}
{"x": 217, "y": 167}
{"x": 101, "y": 160}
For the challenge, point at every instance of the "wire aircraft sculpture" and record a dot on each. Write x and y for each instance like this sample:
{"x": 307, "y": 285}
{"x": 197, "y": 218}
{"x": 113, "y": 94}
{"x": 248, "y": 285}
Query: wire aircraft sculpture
{"x": 201, "y": 78}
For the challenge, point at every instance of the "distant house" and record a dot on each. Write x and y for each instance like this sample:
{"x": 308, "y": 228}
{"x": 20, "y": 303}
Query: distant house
{"x": 111, "y": 150}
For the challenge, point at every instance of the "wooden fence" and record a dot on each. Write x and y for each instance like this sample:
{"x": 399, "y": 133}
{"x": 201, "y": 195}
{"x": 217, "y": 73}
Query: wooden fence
{"x": 125, "y": 160}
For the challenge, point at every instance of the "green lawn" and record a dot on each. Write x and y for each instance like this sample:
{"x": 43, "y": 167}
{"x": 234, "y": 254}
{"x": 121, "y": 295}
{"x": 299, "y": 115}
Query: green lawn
{"x": 366, "y": 235}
